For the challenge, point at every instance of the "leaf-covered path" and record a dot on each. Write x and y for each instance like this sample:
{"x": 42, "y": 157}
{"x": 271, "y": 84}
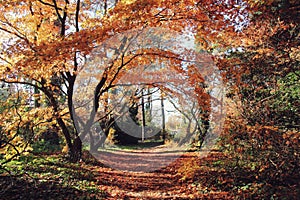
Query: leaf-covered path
{"x": 51, "y": 177}
{"x": 190, "y": 176}
{"x": 165, "y": 183}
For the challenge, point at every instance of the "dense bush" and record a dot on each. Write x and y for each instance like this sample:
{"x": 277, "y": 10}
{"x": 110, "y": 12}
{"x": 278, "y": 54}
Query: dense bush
{"x": 270, "y": 154}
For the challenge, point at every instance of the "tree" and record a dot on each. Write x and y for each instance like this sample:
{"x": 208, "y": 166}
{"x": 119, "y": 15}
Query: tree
{"x": 258, "y": 62}
{"x": 45, "y": 41}
{"x": 262, "y": 68}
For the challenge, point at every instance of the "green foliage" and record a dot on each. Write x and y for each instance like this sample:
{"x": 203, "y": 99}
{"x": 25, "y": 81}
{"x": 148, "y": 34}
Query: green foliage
{"x": 145, "y": 145}
{"x": 121, "y": 137}
{"x": 42, "y": 146}
{"x": 132, "y": 125}
{"x": 286, "y": 104}
{"x": 52, "y": 177}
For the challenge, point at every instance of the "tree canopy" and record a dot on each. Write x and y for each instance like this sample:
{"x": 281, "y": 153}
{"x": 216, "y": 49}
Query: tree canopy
{"x": 69, "y": 68}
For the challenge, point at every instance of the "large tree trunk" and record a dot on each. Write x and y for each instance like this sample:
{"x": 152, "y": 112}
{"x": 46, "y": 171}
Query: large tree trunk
{"x": 74, "y": 145}
{"x": 75, "y": 152}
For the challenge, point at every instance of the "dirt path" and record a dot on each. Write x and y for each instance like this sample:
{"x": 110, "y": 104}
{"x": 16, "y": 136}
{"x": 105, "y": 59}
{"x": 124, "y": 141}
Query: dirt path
{"x": 164, "y": 183}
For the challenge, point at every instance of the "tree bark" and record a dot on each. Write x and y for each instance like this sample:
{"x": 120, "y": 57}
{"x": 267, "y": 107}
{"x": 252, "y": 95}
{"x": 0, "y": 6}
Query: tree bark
{"x": 163, "y": 119}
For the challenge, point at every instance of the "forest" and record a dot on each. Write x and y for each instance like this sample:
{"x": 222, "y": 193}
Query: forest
{"x": 150, "y": 99}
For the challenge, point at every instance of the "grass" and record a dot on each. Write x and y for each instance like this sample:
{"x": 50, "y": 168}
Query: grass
{"x": 141, "y": 145}
{"x": 50, "y": 176}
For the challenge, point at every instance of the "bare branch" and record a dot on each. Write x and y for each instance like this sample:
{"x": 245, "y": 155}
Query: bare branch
{"x": 77, "y": 15}
{"x": 57, "y": 10}
{"x": 48, "y": 4}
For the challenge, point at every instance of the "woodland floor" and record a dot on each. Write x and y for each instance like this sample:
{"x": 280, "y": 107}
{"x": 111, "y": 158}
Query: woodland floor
{"x": 50, "y": 177}
{"x": 164, "y": 183}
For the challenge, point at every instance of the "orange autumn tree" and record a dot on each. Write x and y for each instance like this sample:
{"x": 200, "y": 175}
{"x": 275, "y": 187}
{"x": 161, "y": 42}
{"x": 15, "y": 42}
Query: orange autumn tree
{"x": 45, "y": 43}
{"x": 261, "y": 64}
{"x": 169, "y": 72}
